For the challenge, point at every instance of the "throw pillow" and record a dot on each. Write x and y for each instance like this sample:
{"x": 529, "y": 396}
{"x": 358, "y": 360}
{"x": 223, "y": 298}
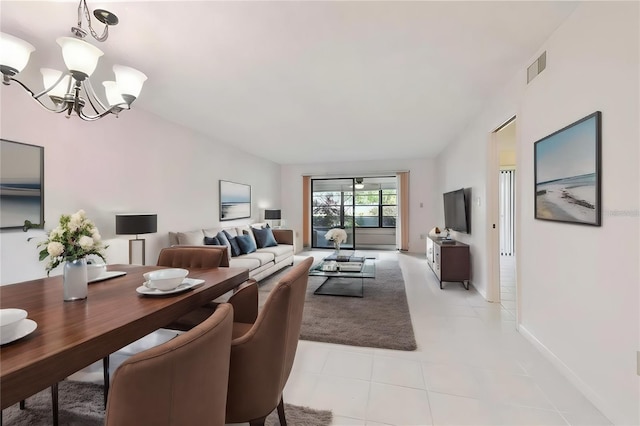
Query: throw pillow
{"x": 213, "y": 241}
{"x": 222, "y": 237}
{"x": 246, "y": 243}
{"x": 233, "y": 243}
{"x": 193, "y": 238}
{"x": 264, "y": 237}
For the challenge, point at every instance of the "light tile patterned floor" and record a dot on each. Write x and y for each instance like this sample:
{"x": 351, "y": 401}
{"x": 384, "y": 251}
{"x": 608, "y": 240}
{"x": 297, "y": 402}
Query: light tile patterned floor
{"x": 471, "y": 367}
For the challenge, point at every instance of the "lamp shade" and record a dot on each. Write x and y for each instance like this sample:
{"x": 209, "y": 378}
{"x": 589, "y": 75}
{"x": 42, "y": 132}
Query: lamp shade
{"x": 79, "y": 56}
{"x": 14, "y": 52}
{"x": 272, "y": 214}
{"x": 136, "y": 223}
{"x": 49, "y": 77}
{"x": 112, "y": 91}
{"x": 129, "y": 80}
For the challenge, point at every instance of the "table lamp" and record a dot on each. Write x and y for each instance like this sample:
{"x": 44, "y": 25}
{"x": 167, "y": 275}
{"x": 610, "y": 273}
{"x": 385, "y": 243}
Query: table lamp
{"x": 135, "y": 224}
{"x": 271, "y": 215}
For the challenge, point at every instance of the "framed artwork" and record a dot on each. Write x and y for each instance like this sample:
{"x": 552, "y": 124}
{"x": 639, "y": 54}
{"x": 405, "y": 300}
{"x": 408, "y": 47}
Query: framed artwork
{"x": 235, "y": 200}
{"x": 567, "y": 168}
{"x": 21, "y": 185}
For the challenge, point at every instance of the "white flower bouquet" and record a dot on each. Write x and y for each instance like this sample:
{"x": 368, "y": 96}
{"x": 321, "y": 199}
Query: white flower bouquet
{"x": 75, "y": 238}
{"x": 336, "y": 235}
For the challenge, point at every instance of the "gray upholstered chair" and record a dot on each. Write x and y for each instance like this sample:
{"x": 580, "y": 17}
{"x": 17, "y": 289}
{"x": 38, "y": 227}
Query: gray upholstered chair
{"x": 264, "y": 346}
{"x": 181, "y": 382}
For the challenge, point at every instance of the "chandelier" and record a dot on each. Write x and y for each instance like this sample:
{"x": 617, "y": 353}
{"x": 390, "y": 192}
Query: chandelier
{"x": 70, "y": 91}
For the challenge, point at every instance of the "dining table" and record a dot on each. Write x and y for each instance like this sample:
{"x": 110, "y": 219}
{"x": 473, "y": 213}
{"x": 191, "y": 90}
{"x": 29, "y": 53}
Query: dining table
{"x": 70, "y": 335}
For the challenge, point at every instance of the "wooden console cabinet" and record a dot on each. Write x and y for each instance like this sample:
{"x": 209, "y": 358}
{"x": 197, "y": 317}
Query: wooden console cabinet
{"x": 449, "y": 262}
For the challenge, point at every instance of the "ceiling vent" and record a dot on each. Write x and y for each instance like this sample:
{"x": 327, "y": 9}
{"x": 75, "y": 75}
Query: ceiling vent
{"x": 537, "y": 67}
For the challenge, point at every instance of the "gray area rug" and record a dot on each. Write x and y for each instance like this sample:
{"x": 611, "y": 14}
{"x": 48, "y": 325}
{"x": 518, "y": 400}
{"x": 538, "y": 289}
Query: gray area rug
{"x": 81, "y": 404}
{"x": 380, "y": 319}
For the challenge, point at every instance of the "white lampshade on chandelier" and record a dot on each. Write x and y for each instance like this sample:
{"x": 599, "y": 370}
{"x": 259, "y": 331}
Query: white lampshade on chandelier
{"x": 69, "y": 91}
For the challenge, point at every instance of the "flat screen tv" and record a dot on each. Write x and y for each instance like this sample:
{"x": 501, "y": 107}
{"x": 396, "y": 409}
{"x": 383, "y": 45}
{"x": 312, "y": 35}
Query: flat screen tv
{"x": 455, "y": 211}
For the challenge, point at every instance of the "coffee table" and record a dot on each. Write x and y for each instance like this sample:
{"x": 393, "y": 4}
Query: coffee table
{"x": 346, "y": 280}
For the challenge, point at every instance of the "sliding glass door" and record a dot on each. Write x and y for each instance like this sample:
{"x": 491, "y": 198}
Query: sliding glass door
{"x": 331, "y": 207}
{"x": 365, "y": 207}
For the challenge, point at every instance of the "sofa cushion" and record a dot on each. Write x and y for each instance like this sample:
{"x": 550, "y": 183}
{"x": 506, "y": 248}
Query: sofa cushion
{"x": 263, "y": 257}
{"x": 279, "y": 250}
{"x": 264, "y": 237}
{"x": 246, "y": 244}
{"x": 192, "y": 238}
{"x": 244, "y": 262}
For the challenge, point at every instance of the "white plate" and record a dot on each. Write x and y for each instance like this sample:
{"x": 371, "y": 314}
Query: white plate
{"x": 187, "y": 284}
{"x": 107, "y": 275}
{"x": 25, "y": 328}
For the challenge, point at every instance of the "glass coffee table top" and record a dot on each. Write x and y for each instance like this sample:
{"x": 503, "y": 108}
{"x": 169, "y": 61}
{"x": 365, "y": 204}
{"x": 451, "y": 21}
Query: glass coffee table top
{"x": 343, "y": 282}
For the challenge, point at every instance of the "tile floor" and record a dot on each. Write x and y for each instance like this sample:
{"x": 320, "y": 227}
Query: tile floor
{"x": 471, "y": 368}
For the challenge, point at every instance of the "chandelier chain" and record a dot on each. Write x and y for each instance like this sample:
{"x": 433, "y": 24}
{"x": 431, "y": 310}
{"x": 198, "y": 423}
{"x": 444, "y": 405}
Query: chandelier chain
{"x": 83, "y": 7}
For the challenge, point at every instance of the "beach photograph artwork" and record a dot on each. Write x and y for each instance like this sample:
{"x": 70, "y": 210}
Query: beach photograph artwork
{"x": 567, "y": 173}
{"x": 235, "y": 200}
{"x": 21, "y": 181}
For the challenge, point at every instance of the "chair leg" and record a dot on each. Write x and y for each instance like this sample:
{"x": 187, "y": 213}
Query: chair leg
{"x": 281, "y": 417}
{"x": 105, "y": 373}
{"x": 22, "y": 404}
{"x": 54, "y": 403}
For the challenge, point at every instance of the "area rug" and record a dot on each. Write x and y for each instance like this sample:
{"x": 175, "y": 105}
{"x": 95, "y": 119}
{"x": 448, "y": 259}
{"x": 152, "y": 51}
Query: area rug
{"x": 380, "y": 319}
{"x": 81, "y": 404}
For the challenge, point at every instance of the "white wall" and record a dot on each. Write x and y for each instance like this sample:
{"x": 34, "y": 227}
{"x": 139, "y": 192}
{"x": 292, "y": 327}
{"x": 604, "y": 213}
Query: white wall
{"x": 421, "y": 183}
{"x": 133, "y": 163}
{"x": 578, "y": 285}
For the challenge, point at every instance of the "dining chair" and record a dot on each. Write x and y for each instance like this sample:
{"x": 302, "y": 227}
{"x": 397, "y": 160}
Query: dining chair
{"x": 264, "y": 346}
{"x": 193, "y": 257}
{"x": 180, "y": 382}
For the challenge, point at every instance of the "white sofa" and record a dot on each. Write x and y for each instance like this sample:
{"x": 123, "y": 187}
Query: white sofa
{"x": 261, "y": 263}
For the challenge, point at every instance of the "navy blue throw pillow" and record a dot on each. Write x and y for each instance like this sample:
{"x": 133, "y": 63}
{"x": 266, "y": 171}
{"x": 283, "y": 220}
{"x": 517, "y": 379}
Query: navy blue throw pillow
{"x": 246, "y": 243}
{"x": 235, "y": 248}
{"x": 264, "y": 237}
{"x": 213, "y": 241}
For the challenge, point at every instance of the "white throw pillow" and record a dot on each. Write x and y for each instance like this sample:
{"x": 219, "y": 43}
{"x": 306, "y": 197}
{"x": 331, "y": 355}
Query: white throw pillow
{"x": 193, "y": 238}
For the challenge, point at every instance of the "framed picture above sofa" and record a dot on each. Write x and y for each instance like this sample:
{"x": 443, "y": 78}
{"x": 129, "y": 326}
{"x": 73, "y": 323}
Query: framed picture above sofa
{"x": 235, "y": 200}
{"x": 567, "y": 173}
{"x": 21, "y": 184}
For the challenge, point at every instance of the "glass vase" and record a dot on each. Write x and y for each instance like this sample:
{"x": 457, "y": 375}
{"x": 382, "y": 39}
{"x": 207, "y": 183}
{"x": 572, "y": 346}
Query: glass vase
{"x": 74, "y": 280}
{"x": 336, "y": 246}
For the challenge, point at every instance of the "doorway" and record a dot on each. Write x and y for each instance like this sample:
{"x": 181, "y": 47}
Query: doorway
{"x": 503, "y": 250}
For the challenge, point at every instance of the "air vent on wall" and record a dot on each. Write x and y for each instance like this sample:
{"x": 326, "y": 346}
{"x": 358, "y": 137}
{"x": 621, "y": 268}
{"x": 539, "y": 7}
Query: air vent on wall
{"x": 537, "y": 67}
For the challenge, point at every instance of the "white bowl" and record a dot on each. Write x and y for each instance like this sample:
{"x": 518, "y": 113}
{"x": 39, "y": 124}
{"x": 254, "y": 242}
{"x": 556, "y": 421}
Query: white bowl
{"x": 10, "y": 319}
{"x": 95, "y": 270}
{"x": 165, "y": 279}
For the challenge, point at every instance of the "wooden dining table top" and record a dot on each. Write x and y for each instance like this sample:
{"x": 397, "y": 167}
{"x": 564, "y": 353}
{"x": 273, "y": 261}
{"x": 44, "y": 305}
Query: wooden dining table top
{"x": 72, "y": 335}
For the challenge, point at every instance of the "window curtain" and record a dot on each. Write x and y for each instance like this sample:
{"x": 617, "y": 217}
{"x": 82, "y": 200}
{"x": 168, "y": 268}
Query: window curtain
{"x": 306, "y": 211}
{"x": 507, "y": 211}
{"x": 402, "y": 224}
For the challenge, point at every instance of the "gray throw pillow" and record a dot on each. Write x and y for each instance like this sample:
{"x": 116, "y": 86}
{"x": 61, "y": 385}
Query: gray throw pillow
{"x": 246, "y": 244}
{"x": 264, "y": 237}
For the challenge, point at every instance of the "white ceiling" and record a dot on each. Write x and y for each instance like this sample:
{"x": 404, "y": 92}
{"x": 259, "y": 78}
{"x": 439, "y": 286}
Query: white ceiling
{"x": 301, "y": 81}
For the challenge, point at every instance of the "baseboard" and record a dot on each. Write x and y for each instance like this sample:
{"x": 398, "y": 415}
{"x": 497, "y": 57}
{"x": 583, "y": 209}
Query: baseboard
{"x": 567, "y": 372}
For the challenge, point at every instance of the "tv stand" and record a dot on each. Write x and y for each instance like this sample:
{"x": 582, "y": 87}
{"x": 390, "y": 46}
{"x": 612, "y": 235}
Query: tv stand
{"x": 449, "y": 261}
